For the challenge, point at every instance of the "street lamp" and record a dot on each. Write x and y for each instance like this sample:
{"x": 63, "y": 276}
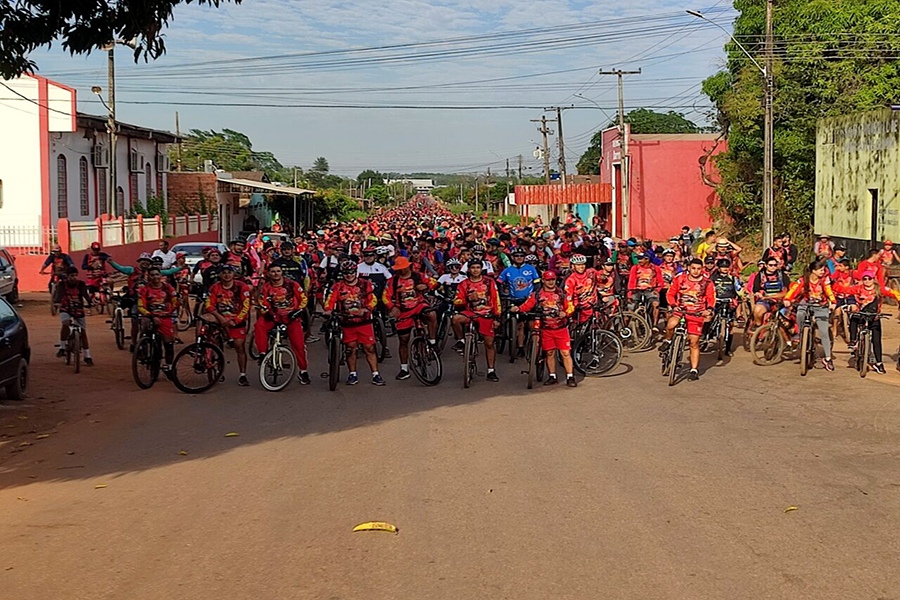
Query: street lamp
{"x": 769, "y": 138}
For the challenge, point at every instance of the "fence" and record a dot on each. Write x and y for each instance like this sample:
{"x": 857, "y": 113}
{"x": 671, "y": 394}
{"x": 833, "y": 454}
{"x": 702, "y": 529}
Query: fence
{"x": 27, "y": 240}
{"x": 75, "y": 236}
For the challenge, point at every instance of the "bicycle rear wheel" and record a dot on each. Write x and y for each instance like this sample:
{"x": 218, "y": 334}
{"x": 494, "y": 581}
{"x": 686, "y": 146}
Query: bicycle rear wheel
{"x": 118, "y": 327}
{"x": 145, "y": 363}
{"x": 597, "y": 352}
{"x": 185, "y": 317}
{"x": 675, "y": 350}
{"x": 425, "y": 362}
{"x": 334, "y": 362}
{"x": 277, "y": 368}
{"x": 634, "y": 331}
{"x": 380, "y": 338}
{"x": 76, "y": 352}
{"x": 198, "y": 367}
{"x": 722, "y": 336}
{"x": 502, "y": 337}
{"x": 805, "y": 343}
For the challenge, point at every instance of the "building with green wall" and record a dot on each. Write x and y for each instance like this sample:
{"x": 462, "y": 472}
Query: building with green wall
{"x": 858, "y": 178}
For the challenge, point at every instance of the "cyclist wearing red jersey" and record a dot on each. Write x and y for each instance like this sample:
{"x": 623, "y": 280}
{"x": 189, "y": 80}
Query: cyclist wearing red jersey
{"x": 581, "y": 287}
{"x": 555, "y": 309}
{"x": 812, "y": 294}
{"x": 228, "y": 304}
{"x": 479, "y": 300}
{"x": 644, "y": 283}
{"x": 353, "y": 298}
{"x": 94, "y": 266}
{"x": 59, "y": 261}
{"x": 404, "y": 297}
{"x": 72, "y": 296}
{"x": 692, "y": 296}
{"x": 870, "y": 296}
{"x": 280, "y": 298}
{"x": 158, "y": 301}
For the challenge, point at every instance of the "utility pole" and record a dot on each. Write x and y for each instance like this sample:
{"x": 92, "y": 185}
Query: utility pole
{"x": 476, "y": 194}
{"x": 111, "y": 125}
{"x": 768, "y": 232}
{"x": 545, "y": 132}
{"x": 178, "y": 134}
{"x": 562, "y": 146}
{"x": 623, "y": 137}
{"x": 519, "y": 180}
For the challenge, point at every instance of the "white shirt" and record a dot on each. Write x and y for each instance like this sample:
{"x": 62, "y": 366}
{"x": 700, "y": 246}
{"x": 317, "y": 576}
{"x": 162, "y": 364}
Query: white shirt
{"x": 376, "y": 268}
{"x": 168, "y": 258}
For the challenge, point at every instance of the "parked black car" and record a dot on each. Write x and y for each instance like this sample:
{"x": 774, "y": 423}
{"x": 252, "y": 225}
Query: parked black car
{"x": 15, "y": 353}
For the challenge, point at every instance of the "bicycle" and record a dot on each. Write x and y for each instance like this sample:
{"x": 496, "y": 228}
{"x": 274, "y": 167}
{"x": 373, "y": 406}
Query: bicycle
{"x": 117, "y": 322}
{"x": 102, "y": 299}
{"x": 672, "y": 358}
{"x": 769, "y": 341}
{"x": 199, "y": 366}
{"x": 380, "y": 329}
{"x": 595, "y": 351}
{"x": 470, "y": 353}
{"x": 863, "y": 354}
{"x": 425, "y": 361}
{"x": 73, "y": 344}
{"x": 719, "y": 329}
{"x": 54, "y": 307}
{"x": 279, "y": 364}
{"x": 534, "y": 353}
{"x": 840, "y": 320}
{"x": 186, "y": 315}
{"x": 807, "y": 343}
{"x": 444, "y": 327}
{"x": 632, "y": 329}
{"x": 334, "y": 341}
{"x": 147, "y": 357}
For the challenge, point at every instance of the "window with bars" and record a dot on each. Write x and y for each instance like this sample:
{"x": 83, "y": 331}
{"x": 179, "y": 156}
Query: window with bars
{"x": 120, "y": 201}
{"x": 102, "y": 194}
{"x": 148, "y": 175}
{"x": 83, "y": 187}
{"x": 133, "y": 192}
{"x": 62, "y": 187}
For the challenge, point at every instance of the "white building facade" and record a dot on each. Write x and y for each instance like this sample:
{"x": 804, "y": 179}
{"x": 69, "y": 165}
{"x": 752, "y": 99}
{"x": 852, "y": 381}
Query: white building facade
{"x": 54, "y": 161}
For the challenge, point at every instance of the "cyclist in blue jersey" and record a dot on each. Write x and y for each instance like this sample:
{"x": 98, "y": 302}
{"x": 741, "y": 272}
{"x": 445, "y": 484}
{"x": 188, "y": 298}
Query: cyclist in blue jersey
{"x": 517, "y": 284}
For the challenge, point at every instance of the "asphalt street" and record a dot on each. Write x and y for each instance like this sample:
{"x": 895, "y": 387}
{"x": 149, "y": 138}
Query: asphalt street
{"x": 750, "y": 483}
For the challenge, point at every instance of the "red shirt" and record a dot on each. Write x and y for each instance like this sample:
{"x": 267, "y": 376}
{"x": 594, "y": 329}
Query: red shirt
{"x": 231, "y": 303}
{"x": 554, "y": 307}
{"x": 282, "y": 300}
{"x": 353, "y": 302}
{"x": 645, "y": 278}
{"x": 402, "y": 293}
{"x": 581, "y": 288}
{"x": 72, "y": 298}
{"x": 157, "y": 302}
{"x": 691, "y": 295}
{"x": 479, "y": 297}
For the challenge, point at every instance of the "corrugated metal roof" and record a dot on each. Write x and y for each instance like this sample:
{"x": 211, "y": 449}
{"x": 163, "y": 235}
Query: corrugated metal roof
{"x": 269, "y": 187}
{"x": 577, "y": 193}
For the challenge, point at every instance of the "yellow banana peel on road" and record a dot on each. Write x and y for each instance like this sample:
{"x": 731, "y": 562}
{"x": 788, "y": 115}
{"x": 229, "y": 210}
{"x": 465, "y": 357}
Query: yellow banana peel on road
{"x": 376, "y": 526}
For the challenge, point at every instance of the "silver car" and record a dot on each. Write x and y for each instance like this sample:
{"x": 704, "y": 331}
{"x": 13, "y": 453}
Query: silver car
{"x": 9, "y": 280}
{"x": 193, "y": 253}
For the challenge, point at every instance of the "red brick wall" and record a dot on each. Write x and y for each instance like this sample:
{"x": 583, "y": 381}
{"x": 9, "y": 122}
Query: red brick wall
{"x": 185, "y": 189}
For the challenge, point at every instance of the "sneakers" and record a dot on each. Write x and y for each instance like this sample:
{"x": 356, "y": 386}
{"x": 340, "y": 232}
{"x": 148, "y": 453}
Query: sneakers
{"x": 664, "y": 347}
{"x": 303, "y": 378}
{"x": 90, "y": 362}
{"x": 377, "y": 379}
{"x": 694, "y": 375}
{"x": 570, "y": 381}
{"x": 551, "y": 380}
{"x": 492, "y": 376}
{"x": 353, "y": 379}
{"x": 60, "y": 353}
{"x": 520, "y": 353}
{"x": 242, "y": 381}
{"x": 829, "y": 364}
{"x": 879, "y": 368}
{"x": 459, "y": 346}
{"x": 403, "y": 374}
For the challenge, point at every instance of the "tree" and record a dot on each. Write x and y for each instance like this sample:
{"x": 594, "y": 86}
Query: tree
{"x": 318, "y": 173}
{"x": 832, "y": 58}
{"x": 641, "y": 120}
{"x": 380, "y": 194}
{"x": 83, "y": 26}
{"x": 230, "y": 150}
{"x": 370, "y": 177}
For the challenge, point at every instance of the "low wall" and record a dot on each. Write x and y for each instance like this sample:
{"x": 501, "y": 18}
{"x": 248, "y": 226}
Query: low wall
{"x": 28, "y": 265}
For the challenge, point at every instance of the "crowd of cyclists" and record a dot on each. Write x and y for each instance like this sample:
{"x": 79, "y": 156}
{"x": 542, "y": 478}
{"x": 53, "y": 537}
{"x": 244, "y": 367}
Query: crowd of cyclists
{"x": 412, "y": 270}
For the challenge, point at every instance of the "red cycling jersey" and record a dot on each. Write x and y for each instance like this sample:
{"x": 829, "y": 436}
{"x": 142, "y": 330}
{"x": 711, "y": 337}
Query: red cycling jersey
{"x": 401, "y": 292}
{"x": 581, "y": 288}
{"x": 691, "y": 295}
{"x": 283, "y": 299}
{"x": 645, "y": 278}
{"x": 354, "y": 302}
{"x": 478, "y": 297}
{"x": 554, "y": 307}
{"x": 231, "y": 303}
{"x": 157, "y": 302}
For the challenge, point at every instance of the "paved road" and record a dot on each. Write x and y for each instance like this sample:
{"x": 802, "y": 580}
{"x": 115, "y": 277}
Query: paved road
{"x": 621, "y": 488}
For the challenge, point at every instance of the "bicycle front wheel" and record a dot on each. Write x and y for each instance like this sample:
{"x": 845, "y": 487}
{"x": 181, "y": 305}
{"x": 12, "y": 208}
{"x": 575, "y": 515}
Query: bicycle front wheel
{"x": 145, "y": 363}
{"x": 76, "y": 352}
{"x": 675, "y": 357}
{"x": 277, "y": 368}
{"x": 380, "y": 338}
{"x": 185, "y": 317}
{"x": 767, "y": 345}
{"x": 198, "y": 367}
{"x": 534, "y": 349}
{"x": 468, "y": 360}
{"x": 634, "y": 331}
{"x": 805, "y": 342}
{"x": 864, "y": 352}
{"x": 597, "y": 353}
{"x": 334, "y": 362}
{"x": 425, "y": 362}
{"x": 118, "y": 327}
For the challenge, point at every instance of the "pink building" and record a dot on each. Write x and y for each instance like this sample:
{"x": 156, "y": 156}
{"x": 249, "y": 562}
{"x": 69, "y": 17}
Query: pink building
{"x": 667, "y": 189}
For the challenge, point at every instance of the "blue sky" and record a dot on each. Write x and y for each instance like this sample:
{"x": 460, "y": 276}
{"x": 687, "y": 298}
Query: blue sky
{"x": 674, "y": 50}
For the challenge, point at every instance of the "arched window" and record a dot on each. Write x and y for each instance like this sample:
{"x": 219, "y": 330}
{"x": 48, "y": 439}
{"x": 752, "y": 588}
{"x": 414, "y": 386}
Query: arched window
{"x": 148, "y": 175}
{"x": 62, "y": 188}
{"x": 83, "y": 187}
{"x": 120, "y": 201}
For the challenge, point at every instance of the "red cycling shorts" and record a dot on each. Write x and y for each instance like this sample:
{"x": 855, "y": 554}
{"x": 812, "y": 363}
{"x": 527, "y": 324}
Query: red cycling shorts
{"x": 485, "y": 324}
{"x": 694, "y": 322}
{"x": 166, "y": 327}
{"x": 555, "y": 339}
{"x": 405, "y": 321}
{"x": 361, "y": 334}
{"x": 239, "y": 332}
